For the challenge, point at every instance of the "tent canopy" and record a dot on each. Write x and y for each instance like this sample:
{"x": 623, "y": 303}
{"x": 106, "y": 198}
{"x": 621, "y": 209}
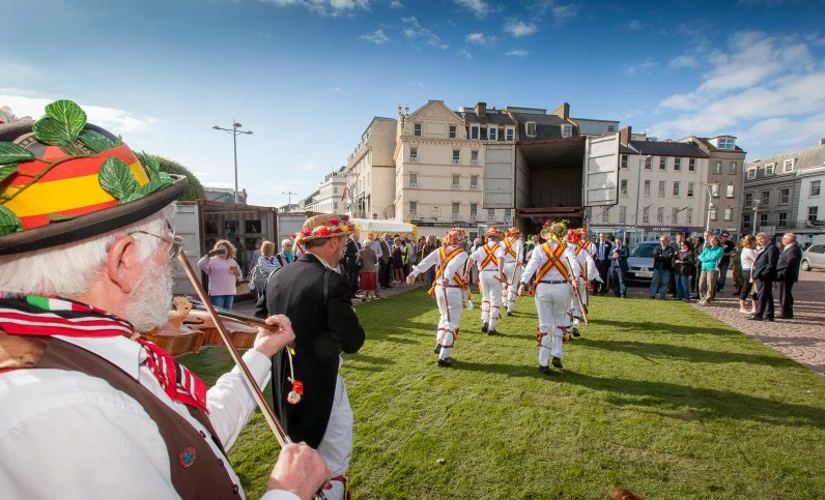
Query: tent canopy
{"x": 383, "y": 226}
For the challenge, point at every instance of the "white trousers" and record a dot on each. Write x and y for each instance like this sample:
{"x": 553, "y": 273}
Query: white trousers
{"x": 508, "y": 295}
{"x": 552, "y": 304}
{"x": 447, "y": 330}
{"x": 491, "y": 298}
{"x": 574, "y": 304}
{"x": 336, "y": 445}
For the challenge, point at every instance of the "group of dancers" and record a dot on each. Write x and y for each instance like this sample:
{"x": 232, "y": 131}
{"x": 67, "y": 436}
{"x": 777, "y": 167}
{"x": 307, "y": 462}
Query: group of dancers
{"x": 556, "y": 275}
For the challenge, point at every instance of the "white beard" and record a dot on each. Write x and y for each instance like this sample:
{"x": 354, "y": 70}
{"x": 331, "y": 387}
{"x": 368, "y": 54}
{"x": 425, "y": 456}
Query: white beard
{"x": 152, "y": 299}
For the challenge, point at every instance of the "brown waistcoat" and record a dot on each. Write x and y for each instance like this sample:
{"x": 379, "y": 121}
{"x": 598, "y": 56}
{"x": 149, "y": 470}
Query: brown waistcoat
{"x": 196, "y": 471}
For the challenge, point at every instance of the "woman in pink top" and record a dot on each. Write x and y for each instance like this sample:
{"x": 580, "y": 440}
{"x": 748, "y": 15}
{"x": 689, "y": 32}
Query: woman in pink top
{"x": 223, "y": 272}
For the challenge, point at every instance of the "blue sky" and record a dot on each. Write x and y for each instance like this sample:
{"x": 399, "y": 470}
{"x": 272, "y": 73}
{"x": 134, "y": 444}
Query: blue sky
{"x": 307, "y": 76}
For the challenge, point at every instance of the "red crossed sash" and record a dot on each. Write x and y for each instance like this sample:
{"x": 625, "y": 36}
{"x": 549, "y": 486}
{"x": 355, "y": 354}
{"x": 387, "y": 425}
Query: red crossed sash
{"x": 553, "y": 261}
{"x": 583, "y": 245}
{"x": 445, "y": 259}
{"x": 508, "y": 247}
{"x": 491, "y": 256}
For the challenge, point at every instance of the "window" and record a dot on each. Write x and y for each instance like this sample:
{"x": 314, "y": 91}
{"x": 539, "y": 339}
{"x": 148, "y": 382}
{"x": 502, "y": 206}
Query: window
{"x": 689, "y": 216}
{"x": 751, "y": 173}
{"x": 728, "y": 214}
{"x": 660, "y": 215}
{"x": 784, "y": 196}
{"x": 623, "y": 187}
{"x": 676, "y": 186}
{"x": 763, "y": 220}
{"x": 746, "y": 221}
{"x": 816, "y": 188}
{"x": 413, "y": 208}
{"x": 413, "y": 154}
{"x": 661, "y": 189}
{"x": 717, "y": 167}
{"x": 769, "y": 168}
{"x": 732, "y": 168}
{"x": 456, "y": 157}
{"x": 766, "y": 198}
{"x": 456, "y": 181}
{"x": 714, "y": 190}
{"x": 452, "y": 131}
{"x": 566, "y": 130}
{"x": 492, "y": 133}
{"x": 473, "y": 157}
{"x": 648, "y": 163}
{"x": 334, "y": 189}
{"x": 748, "y": 200}
{"x": 456, "y": 210}
{"x": 712, "y": 214}
{"x": 606, "y": 215}
{"x": 507, "y": 217}
{"x": 622, "y": 215}
{"x": 813, "y": 214}
{"x": 435, "y": 212}
{"x": 647, "y": 189}
{"x": 690, "y": 189}
{"x": 473, "y": 211}
{"x": 783, "y": 219}
{"x": 417, "y": 129}
{"x": 674, "y": 215}
{"x": 483, "y": 134}
{"x": 624, "y": 161}
{"x": 413, "y": 180}
{"x": 509, "y": 134}
{"x": 646, "y": 215}
{"x": 531, "y": 129}
{"x": 662, "y": 163}
{"x": 491, "y": 214}
{"x": 692, "y": 165}
{"x": 473, "y": 182}
{"x": 474, "y": 132}
{"x": 729, "y": 191}
{"x": 677, "y": 164}
{"x": 787, "y": 165}
{"x": 726, "y": 143}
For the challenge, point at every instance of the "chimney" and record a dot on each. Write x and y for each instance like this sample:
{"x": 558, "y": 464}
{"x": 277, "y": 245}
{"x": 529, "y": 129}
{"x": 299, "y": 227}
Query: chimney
{"x": 562, "y": 111}
{"x": 481, "y": 109}
{"x": 822, "y": 141}
{"x": 625, "y": 134}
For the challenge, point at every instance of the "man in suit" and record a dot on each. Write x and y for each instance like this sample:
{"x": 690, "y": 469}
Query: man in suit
{"x": 620, "y": 267}
{"x": 603, "y": 251}
{"x": 350, "y": 260}
{"x": 764, "y": 274}
{"x": 787, "y": 273}
{"x": 662, "y": 266}
{"x": 317, "y": 301}
{"x": 385, "y": 264}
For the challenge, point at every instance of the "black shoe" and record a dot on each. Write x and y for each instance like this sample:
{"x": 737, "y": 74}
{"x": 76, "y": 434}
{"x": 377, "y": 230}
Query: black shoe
{"x": 557, "y": 362}
{"x": 785, "y": 316}
{"x": 575, "y": 332}
{"x": 754, "y": 317}
{"x": 492, "y": 331}
{"x": 444, "y": 362}
{"x": 509, "y": 313}
{"x": 545, "y": 370}
{"x": 770, "y": 318}
{"x": 485, "y": 327}
{"x": 437, "y": 349}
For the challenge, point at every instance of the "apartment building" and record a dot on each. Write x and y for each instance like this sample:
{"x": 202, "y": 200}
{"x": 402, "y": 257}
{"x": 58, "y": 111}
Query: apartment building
{"x": 783, "y": 193}
{"x": 370, "y": 172}
{"x": 328, "y": 197}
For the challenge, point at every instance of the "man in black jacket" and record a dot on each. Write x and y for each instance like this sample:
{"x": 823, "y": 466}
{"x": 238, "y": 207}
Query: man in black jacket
{"x": 351, "y": 261}
{"x": 604, "y": 250}
{"x": 787, "y": 273}
{"x": 662, "y": 267}
{"x": 317, "y": 301}
{"x": 764, "y": 274}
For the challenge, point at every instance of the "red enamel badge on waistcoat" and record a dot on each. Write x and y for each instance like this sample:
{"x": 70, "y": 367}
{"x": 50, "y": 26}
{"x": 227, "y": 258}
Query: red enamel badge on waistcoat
{"x": 187, "y": 457}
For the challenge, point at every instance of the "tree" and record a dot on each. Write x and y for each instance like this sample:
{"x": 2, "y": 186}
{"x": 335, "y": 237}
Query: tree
{"x": 194, "y": 190}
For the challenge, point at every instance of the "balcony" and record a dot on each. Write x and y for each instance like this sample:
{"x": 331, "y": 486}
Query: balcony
{"x": 474, "y": 187}
{"x": 413, "y": 185}
{"x": 456, "y": 186}
{"x": 473, "y": 217}
{"x": 474, "y": 162}
{"x": 456, "y": 161}
{"x": 413, "y": 158}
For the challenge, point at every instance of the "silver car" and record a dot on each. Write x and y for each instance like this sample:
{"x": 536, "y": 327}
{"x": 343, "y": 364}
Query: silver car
{"x": 814, "y": 257}
{"x": 640, "y": 262}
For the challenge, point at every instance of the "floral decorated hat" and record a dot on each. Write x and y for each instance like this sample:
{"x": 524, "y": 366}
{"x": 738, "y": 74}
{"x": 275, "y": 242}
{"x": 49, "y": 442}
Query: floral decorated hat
{"x": 576, "y": 235}
{"x": 324, "y": 226}
{"x": 513, "y": 231}
{"x": 64, "y": 180}
{"x": 555, "y": 230}
{"x": 456, "y": 236}
{"x": 494, "y": 231}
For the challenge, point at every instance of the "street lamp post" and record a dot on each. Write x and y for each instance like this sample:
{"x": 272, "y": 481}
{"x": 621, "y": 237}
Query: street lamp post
{"x": 710, "y": 205}
{"x": 235, "y": 130}
{"x": 289, "y": 199}
{"x": 638, "y": 195}
{"x": 755, "y": 210}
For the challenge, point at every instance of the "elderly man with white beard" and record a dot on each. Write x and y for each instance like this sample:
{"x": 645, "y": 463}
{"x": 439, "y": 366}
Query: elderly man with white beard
{"x": 89, "y": 409}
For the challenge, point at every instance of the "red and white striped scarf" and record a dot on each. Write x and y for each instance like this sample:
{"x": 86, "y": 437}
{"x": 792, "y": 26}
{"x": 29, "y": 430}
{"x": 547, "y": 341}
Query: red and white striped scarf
{"x": 37, "y": 315}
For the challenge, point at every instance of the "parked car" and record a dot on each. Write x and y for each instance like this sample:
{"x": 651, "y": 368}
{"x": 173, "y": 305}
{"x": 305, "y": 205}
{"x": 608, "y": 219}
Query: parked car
{"x": 640, "y": 262}
{"x": 814, "y": 257}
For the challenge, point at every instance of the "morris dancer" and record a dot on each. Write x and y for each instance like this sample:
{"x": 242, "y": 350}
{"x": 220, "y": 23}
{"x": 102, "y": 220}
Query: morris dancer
{"x": 584, "y": 249}
{"x": 490, "y": 259}
{"x": 513, "y": 257}
{"x": 552, "y": 289}
{"x": 448, "y": 289}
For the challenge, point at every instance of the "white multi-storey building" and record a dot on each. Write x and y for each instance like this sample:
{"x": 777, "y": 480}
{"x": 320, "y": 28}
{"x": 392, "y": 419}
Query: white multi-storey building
{"x": 370, "y": 172}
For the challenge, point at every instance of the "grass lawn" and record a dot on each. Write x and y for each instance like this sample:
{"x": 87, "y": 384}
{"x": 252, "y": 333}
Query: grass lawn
{"x": 655, "y": 396}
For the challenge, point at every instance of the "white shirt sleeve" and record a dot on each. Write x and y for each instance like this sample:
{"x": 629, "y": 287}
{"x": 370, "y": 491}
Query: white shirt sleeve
{"x": 279, "y": 495}
{"x": 203, "y": 263}
{"x": 569, "y": 256}
{"x": 429, "y": 261}
{"x": 533, "y": 265}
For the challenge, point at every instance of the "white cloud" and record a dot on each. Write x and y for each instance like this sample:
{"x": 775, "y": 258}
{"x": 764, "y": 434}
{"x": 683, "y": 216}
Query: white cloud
{"x": 464, "y": 53}
{"x": 115, "y": 120}
{"x": 560, "y": 12}
{"x": 480, "y": 38}
{"x": 683, "y": 62}
{"x": 377, "y": 37}
{"x": 516, "y": 53}
{"x": 519, "y": 28}
{"x": 335, "y": 89}
{"x": 478, "y": 7}
{"x": 640, "y": 67}
{"x": 414, "y": 30}
{"x": 396, "y": 4}
{"x": 332, "y": 8}
{"x": 635, "y": 24}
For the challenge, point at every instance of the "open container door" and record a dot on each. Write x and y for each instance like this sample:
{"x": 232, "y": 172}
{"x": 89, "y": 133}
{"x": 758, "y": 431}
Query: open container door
{"x": 499, "y": 168}
{"x": 601, "y": 171}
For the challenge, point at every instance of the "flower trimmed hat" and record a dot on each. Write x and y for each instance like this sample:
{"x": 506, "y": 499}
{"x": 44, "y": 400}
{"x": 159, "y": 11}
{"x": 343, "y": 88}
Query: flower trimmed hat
{"x": 555, "y": 230}
{"x": 494, "y": 231}
{"x": 513, "y": 231}
{"x": 63, "y": 180}
{"x": 456, "y": 236}
{"x": 324, "y": 226}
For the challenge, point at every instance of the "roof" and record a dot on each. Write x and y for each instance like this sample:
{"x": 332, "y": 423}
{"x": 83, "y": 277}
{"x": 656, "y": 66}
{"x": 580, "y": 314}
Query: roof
{"x": 706, "y": 142}
{"x": 496, "y": 117}
{"x": 668, "y": 148}
{"x": 803, "y": 159}
{"x": 547, "y": 126}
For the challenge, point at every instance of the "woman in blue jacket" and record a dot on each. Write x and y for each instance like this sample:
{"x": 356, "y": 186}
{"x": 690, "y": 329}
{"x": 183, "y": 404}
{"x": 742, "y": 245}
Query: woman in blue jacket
{"x": 709, "y": 259}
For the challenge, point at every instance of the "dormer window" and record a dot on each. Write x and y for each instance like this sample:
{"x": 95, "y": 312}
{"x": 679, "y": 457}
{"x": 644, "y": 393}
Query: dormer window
{"x": 417, "y": 129}
{"x": 566, "y": 130}
{"x": 787, "y": 165}
{"x": 509, "y": 134}
{"x": 475, "y": 132}
{"x": 726, "y": 142}
{"x": 531, "y": 129}
{"x": 769, "y": 168}
{"x": 492, "y": 133}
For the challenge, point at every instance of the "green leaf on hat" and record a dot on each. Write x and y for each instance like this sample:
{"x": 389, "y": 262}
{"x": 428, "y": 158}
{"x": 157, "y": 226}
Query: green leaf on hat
{"x": 59, "y": 217}
{"x": 51, "y": 131}
{"x": 96, "y": 141}
{"x": 9, "y": 223}
{"x": 7, "y": 170}
{"x": 68, "y": 114}
{"x": 117, "y": 179}
{"x": 12, "y": 153}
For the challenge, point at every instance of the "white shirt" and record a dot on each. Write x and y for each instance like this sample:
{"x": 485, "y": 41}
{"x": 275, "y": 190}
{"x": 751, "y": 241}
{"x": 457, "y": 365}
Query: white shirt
{"x": 747, "y": 255}
{"x": 517, "y": 246}
{"x": 67, "y": 435}
{"x": 376, "y": 247}
{"x": 539, "y": 258}
{"x": 456, "y": 265}
{"x": 480, "y": 255}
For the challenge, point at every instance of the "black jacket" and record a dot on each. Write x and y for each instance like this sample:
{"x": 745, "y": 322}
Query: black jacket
{"x": 608, "y": 251}
{"x": 317, "y": 302}
{"x": 787, "y": 267}
{"x": 764, "y": 267}
{"x": 663, "y": 257}
{"x": 686, "y": 264}
{"x": 351, "y": 256}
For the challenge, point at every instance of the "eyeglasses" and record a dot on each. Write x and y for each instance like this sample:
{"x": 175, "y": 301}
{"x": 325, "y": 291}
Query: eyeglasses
{"x": 175, "y": 242}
